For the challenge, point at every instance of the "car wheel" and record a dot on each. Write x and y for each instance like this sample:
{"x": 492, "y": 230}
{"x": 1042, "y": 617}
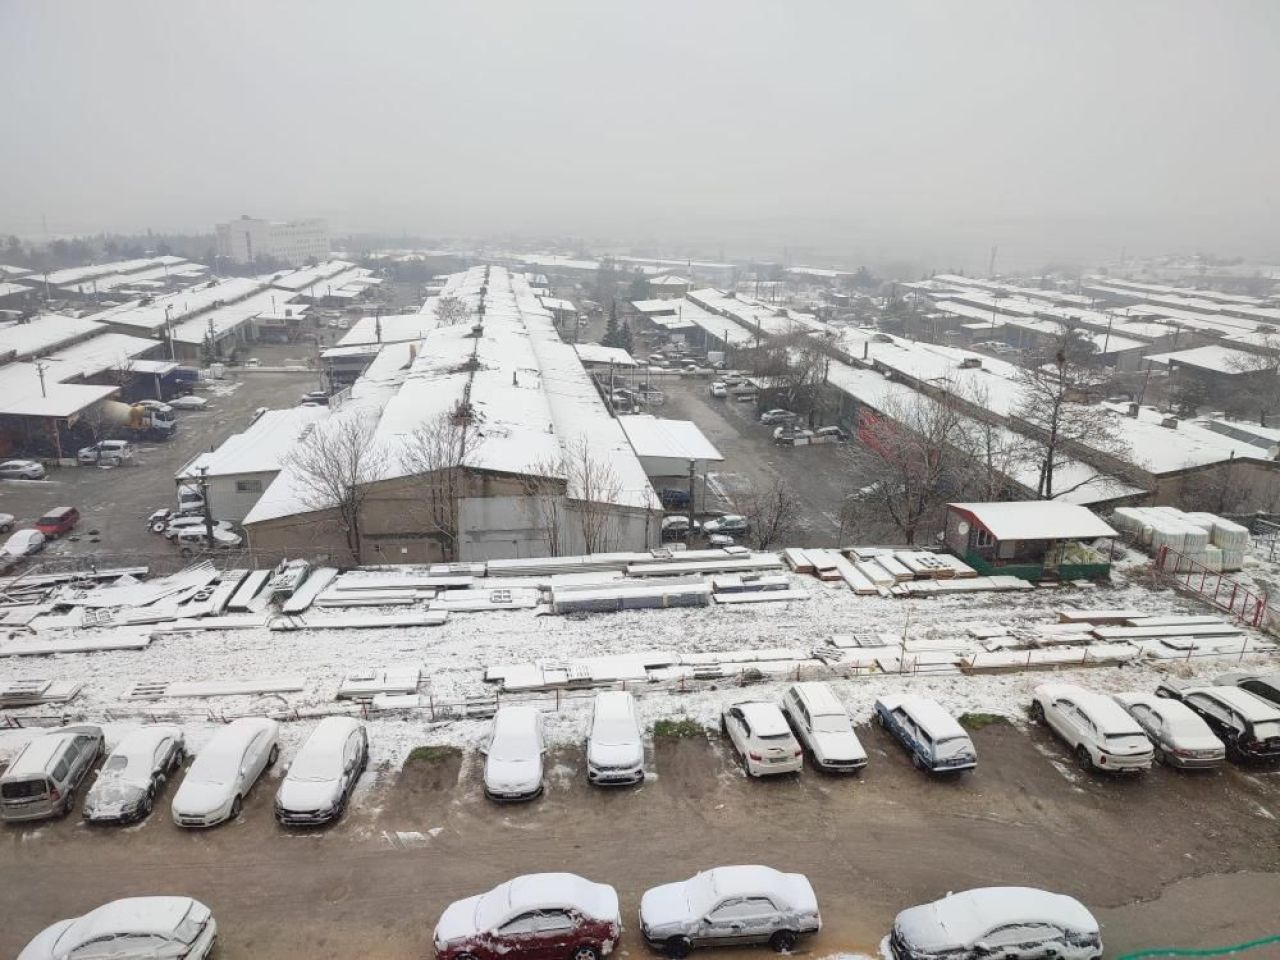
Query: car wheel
{"x": 157, "y": 527}
{"x": 273, "y": 756}
{"x": 1157, "y": 754}
{"x": 783, "y": 941}
{"x": 1037, "y": 711}
{"x": 235, "y": 808}
{"x": 919, "y": 763}
{"x": 1082, "y": 755}
{"x": 677, "y": 947}
{"x": 148, "y": 802}
{"x": 585, "y": 951}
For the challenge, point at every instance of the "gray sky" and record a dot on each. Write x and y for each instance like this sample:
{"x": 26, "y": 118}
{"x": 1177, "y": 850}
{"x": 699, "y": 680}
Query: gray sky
{"x": 894, "y": 129}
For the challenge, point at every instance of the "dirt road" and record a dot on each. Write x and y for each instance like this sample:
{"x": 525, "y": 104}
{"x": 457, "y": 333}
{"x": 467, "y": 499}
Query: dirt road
{"x": 1164, "y": 860}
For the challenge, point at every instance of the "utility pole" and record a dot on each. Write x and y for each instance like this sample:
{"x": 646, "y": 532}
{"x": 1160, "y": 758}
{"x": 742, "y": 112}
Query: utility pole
{"x": 168, "y": 329}
{"x": 991, "y": 267}
{"x": 693, "y": 480}
{"x": 208, "y": 508}
{"x": 40, "y": 365}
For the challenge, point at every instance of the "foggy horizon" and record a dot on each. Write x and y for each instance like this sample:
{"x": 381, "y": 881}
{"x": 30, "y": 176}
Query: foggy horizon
{"x": 928, "y": 133}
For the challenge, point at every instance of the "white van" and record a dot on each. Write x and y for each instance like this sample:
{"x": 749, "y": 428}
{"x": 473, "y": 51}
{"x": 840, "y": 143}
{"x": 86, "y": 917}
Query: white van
{"x": 823, "y": 725}
{"x": 42, "y": 780}
{"x": 615, "y": 751}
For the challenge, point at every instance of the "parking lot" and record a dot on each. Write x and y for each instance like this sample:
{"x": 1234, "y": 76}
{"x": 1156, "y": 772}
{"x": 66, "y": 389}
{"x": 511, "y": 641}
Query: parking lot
{"x": 1163, "y": 859}
{"x": 115, "y": 501}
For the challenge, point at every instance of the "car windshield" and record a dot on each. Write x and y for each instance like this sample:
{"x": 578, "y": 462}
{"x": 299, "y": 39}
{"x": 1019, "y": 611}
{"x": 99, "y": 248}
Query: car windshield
{"x": 514, "y": 741}
{"x": 952, "y": 747}
{"x": 219, "y": 767}
{"x": 116, "y": 764}
{"x": 315, "y": 764}
{"x": 612, "y": 731}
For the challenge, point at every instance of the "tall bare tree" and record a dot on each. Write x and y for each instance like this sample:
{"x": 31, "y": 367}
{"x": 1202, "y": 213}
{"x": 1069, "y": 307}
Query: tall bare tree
{"x": 1058, "y": 403}
{"x": 594, "y": 486}
{"x": 451, "y": 311}
{"x": 436, "y": 455}
{"x": 773, "y": 513}
{"x": 336, "y": 463}
{"x": 542, "y": 490}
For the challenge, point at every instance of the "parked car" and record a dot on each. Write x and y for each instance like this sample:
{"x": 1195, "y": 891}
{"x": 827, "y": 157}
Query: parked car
{"x": 112, "y": 452}
{"x": 21, "y": 470}
{"x": 22, "y": 544}
{"x": 830, "y": 434}
{"x": 1264, "y": 685}
{"x": 7, "y": 521}
{"x": 224, "y": 771}
{"x": 134, "y": 774}
{"x": 729, "y": 906}
{"x": 719, "y": 389}
{"x": 1248, "y": 725}
{"x": 744, "y": 394}
{"x": 933, "y": 737}
{"x": 1103, "y": 736}
{"x": 543, "y": 916}
{"x": 777, "y": 415}
{"x": 790, "y": 435}
{"x": 190, "y": 499}
{"x": 319, "y": 397}
{"x": 513, "y": 754}
{"x": 759, "y": 732}
{"x": 131, "y": 929}
{"x": 823, "y": 725}
{"x": 674, "y": 498}
{"x": 1178, "y": 736}
{"x": 58, "y": 521}
{"x": 193, "y": 540}
{"x": 192, "y": 521}
{"x": 321, "y": 777}
{"x": 677, "y": 527}
{"x": 730, "y": 523}
{"x": 1012, "y": 923}
{"x": 615, "y": 748}
{"x": 41, "y": 781}
{"x": 720, "y": 540}
{"x": 191, "y": 401}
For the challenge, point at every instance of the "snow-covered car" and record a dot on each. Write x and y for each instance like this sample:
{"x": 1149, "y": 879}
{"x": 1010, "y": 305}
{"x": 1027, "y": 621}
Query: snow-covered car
{"x": 730, "y": 906}
{"x": 934, "y": 738}
{"x": 777, "y": 415}
{"x": 1012, "y": 923}
{"x": 513, "y": 754}
{"x": 7, "y": 521}
{"x": 792, "y": 436}
{"x": 22, "y": 544}
{"x": 719, "y": 389}
{"x": 224, "y": 770}
{"x": 542, "y": 916}
{"x": 720, "y": 540}
{"x": 133, "y": 774}
{"x": 1178, "y": 736}
{"x": 615, "y": 750}
{"x": 823, "y": 725}
{"x": 192, "y": 521}
{"x": 136, "y": 928}
{"x": 195, "y": 539}
{"x": 189, "y": 402}
{"x": 677, "y": 527}
{"x": 320, "y": 779}
{"x": 1247, "y": 725}
{"x": 759, "y": 732}
{"x": 730, "y": 523}
{"x": 21, "y": 470}
{"x": 1100, "y": 732}
{"x": 319, "y": 397}
{"x": 41, "y": 781}
{"x": 1264, "y": 685}
{"x": 106, "y": 452}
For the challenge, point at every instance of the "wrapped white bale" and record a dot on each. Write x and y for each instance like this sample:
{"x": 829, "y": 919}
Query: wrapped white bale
{"x": 1127, "y": 519}
{"x": 1204, "y": 521}
{"x": 1145, "y": 534}
{"x": 1194, "y": 539}
{"x": 1213, "y": 558}
{"x": 1227, "y": 534}
{"x": 1232, "y": 559}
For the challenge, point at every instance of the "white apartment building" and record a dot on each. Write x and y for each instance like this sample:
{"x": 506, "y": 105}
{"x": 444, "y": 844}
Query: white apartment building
{"x": 293, "y": 241}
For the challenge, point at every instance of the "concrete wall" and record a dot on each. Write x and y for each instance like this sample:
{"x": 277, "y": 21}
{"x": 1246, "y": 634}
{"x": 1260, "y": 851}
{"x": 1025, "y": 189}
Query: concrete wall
{"x": 231, "y": 503}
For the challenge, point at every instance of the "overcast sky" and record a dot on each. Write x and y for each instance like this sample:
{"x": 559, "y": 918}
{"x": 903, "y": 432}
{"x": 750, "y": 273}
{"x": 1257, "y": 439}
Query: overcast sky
{"x": 891, "y": 129}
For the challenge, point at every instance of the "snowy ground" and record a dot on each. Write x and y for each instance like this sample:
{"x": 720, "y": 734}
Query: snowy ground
{"x": 455, "y": 656}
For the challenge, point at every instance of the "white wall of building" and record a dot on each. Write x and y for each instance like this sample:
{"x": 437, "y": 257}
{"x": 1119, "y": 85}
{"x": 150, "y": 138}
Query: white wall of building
{"x": 295, "y": 241}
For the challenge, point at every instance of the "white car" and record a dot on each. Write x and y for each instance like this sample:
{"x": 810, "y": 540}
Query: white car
{"x": 224, "y": 771}
{"x": 513, "y": 755}
{"x": 1179, "y": 737}
{"x": 106, "y": 452}
{"x": 1012, "y": 923}
{"x": 777, "y": 415}
{"x": 173, "y": 526}
{"x": 719, "y": 389}
{"x": 22, "y": 544}
{"x": 730, "y": 906}
{"x": 195, "y": 539}
{"x": 21, "y": 470}
{"x": 1102, "y": 735}
{"x": 7, "y": 521}
{"x": 615, "y": 750}
{"x": 759, "y": 732}
{"x": 731, "y": 523}
{"x": 823, "y": 725}
{"x": 176, "y": 928}
{"x": 189, "y": 402}
{"x": 323, "y": 774}
{"x": 134, "y": 774}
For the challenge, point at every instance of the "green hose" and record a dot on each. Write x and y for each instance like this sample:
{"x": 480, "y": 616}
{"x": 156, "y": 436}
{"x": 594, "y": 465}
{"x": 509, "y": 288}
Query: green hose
{"x": 1221, "y": 951}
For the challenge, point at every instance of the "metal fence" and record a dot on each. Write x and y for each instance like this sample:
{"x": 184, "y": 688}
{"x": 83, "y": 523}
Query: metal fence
{"x": 1212, "y": 586}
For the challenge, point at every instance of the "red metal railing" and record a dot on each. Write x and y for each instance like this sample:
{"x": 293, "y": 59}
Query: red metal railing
{"x": 1212, "y": 586}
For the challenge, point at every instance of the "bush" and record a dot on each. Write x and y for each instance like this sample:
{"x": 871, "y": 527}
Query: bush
{"x": 976, "y": 721}
{"x": 678, "y": 729}
{"x": 432, "y": 754}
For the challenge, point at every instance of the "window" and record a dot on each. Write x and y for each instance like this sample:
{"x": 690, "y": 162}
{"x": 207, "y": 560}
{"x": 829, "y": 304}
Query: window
{"x": 522, "y": 925}
{"x": 249, "y": 486}
{"x": 983, "y": 538}
{"x": 553, "y": 921}
{"x": 1211, "y": 707}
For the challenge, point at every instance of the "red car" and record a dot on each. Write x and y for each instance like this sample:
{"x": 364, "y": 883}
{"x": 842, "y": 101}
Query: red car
{"x": 543, "y": 916}
{"x": 58, "y": 521}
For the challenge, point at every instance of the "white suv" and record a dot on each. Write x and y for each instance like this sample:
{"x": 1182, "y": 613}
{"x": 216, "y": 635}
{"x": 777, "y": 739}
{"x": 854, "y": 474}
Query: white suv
{"x": 760, "y": 734}
{"x": 615, "y": 751}
{"x": 1103, "y": 736}
{"x": 823, "y": 725}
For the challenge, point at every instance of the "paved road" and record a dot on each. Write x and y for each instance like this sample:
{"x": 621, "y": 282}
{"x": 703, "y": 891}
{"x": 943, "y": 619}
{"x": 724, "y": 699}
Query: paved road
{"x": 1165, "y": 860}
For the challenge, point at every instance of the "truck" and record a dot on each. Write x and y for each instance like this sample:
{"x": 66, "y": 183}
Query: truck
{"x": 146, "y": 419}
{"x": 180, "y": 381}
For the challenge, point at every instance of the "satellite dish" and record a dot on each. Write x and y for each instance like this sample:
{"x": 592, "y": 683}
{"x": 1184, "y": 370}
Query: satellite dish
{"x": 962, "y": 527}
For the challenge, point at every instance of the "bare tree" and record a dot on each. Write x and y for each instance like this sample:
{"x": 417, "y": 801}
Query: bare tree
{"x": 336, "y": 463}
{"x": 773, "y": 513}
{"x": 798, "y": 373}
{"x": 1058, "y": 403}
{"x": 1259, "y": 369}
{"x": 991, "y": 455}
{"x": 436, "y": 455}
{"x": 543, "y": 487}
{"x": 451, "y": 311}
{"x": 594, "y": 486}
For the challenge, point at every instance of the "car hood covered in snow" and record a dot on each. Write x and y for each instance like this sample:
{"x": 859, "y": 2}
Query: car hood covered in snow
{"x": 615, "y": 754}
{"x": 112, "y": 795}
{"x": 199, "y": 797}
{"x": 666, "y": 906}
{"x": 502, "y": 774}
{"x": 458, "y": 921}
{"x": 307, "y": 794}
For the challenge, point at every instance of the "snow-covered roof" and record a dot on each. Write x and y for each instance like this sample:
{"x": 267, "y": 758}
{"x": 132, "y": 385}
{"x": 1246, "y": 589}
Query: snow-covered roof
{"x": 555, "y": 303}
{"x": 1214, "y": 358}
{"x": 754, "y": 315}
{"x": 221, "y": 319}
{"x": 186, "y": 304}
{"x": 261, "y": 448}
{"x": 393, "y": 328}
{"x": 652, "y": 436}
{"x": 10, "y": 271}
{"x": 60, "y": 278}
{"x": 668, "y": 280}
{"x": 58, "y": 399}
{"x": 1035, "y": 520}
{"x": 42, "y": 333}
{"x": 107, "y": 351}
{"x": 1159, "y": 450}
{"x": 151, "y": 277}
{"x": 298, "y": 280}
{"x": 598, "y": 353}
{"x": 10, "y": 289}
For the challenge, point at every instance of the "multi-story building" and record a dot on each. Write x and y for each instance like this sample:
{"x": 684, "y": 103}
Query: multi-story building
{"x": 293, "y": 241}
